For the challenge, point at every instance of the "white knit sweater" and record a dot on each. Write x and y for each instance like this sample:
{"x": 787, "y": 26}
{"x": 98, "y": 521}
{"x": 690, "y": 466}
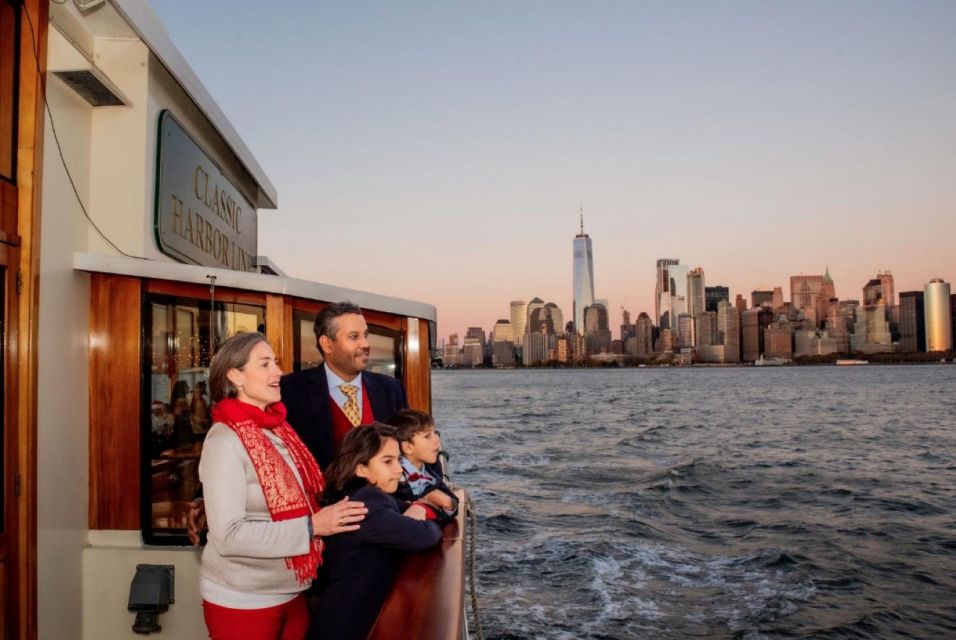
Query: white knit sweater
{"x": 246, "y": 550}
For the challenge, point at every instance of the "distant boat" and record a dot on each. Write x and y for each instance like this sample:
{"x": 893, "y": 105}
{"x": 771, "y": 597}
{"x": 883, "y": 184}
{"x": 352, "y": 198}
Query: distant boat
{"x": 770, "y": 362}
{"x": 852, "y": 362}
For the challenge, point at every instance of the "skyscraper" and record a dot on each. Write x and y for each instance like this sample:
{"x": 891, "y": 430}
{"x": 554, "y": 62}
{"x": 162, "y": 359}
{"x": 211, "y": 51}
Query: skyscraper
{"x": 912, "y": 322}
{"x": 583, "y": 276}
{"x": 713, "y": 296}
{"x": 519, "y": 317}
{"x": 662, "y": 292}
{"x": 938, "y": 314}
{"x": 677, "y": 274}
{"x": 696, "y": 300}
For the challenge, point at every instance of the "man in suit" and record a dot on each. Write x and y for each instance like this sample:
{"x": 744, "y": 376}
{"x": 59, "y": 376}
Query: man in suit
{"x": 326, "y": 402}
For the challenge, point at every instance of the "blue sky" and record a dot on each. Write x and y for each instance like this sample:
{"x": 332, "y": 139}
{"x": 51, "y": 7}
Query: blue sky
{"x": 440, "y": 151}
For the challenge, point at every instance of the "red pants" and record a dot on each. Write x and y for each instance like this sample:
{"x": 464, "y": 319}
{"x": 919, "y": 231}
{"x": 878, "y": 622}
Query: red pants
{"x": 287, "y": 621}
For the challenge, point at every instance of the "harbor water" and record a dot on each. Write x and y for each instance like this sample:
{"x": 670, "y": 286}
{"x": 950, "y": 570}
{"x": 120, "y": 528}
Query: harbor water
{"x": 793, "y": 502}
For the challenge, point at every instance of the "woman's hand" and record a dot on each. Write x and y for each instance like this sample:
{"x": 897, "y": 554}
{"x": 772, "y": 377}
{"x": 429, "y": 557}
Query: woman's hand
{"x": 338, "y": 518}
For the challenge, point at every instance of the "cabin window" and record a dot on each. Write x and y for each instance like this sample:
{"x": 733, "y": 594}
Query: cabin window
{"x": 180, "y": 337}
{"x": 386, "y": 346}
{"x": 9, "y": 46}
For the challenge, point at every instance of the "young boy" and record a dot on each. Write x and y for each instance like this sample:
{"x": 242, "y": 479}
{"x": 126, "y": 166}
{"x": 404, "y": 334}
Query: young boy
{"x": 422, "y": 476}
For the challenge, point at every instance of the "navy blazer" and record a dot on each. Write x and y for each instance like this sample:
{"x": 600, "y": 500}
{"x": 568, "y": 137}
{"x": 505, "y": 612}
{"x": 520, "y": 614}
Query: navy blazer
{"x": 305, "y": 395}
{"x": 358, "y": 567}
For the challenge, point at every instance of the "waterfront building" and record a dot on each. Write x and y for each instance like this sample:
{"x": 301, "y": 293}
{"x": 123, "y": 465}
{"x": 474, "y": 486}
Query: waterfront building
{"x": 503, "y": 353}
{"x": 938, "y": 315}
{"x": 472, "y": 354}
{"x": 811, "y": 296}
{"x": 644, "y": 335}
{"x": 761, "y": 297}
{"x": 666, "y": 341}
{"x": 583, "y": 276}
{"x": 952, "y": 314}
{"x": 728, "y": 330}
{"x": 696, "y": 299}
{"x": 740, "y": 304}
{"x": 475, "y": 334}
{"x": 596, "y": 328}
{"x": 534, "y": 315}
{"x": 578, "y": 345}
{"x": 685, "y": 331}
{"x": 451, "y": 355}
{"x": 562, "y": 349}
{"x": 519, "y": 318}
{"x": 871, "y": 331}
{"x": 912, "y": 322}
{"x": 706, "y": 327}
{"x": 503, "y": 331}
{"x": 662, "y": 292}
{"x": 778, "y": 339}
{"x": 555, "y": 318}
{"x": 776, "y": 301}
{"x": 677, "y": 274}
{"x": 814, "y": 342}
{"x": 628, "y": 330}
{"x": 713, "y": 295}
{"x": 534, "y": 348}
{"x": 754, "y": 323}
{"x": 880, "y": 288}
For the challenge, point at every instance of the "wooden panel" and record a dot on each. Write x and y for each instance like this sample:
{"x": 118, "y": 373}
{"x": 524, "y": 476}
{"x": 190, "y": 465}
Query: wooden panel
{"x": 427, "y": 598}
{"x": 115, "y": 363}
{"x": 22, "y": 347}
{"x": 279, "y": 329}
{"x": 417, "y": 365}
{"x": 201, "y": 292}
{"x": 384, "y": 320}
{"x": 4, "y": 619}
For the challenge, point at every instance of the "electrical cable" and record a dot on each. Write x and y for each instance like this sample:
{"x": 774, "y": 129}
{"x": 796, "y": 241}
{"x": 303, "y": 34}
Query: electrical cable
{"x": 59, "y": 147}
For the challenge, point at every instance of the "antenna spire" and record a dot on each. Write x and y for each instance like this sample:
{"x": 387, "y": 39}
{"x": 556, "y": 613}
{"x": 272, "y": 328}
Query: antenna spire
{"x": 581, "y": 208}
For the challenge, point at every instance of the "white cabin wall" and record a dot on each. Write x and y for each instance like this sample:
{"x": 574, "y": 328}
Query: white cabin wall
{"x": 62, "y": 382}
{"x": 117, "y": 181}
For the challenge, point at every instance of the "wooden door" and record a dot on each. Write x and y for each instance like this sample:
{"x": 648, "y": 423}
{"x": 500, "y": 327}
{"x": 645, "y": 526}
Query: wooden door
{"x": 9, "y": 443}
{"x": 9, "y": 491}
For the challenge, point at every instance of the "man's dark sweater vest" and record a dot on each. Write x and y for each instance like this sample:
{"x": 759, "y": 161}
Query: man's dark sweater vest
{"x": 341, "y": 424}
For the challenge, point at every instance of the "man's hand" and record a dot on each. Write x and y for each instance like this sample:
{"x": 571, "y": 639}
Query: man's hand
{"x": 196, "y": 520}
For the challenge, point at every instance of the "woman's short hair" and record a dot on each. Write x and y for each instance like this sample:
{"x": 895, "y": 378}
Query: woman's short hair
{"x": 359, "y": 446}
{"x": 232, "y": 354}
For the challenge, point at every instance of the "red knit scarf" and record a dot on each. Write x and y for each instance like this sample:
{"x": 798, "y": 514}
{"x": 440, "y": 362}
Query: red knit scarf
{"x": 284, "y": 496}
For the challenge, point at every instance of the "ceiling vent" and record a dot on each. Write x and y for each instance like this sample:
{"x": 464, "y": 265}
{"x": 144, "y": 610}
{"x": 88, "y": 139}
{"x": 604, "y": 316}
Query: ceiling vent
{"x": 92, "y": 87}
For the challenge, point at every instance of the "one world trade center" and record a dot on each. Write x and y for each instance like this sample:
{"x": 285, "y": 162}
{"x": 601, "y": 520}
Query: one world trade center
{"x": 583, "y": 276}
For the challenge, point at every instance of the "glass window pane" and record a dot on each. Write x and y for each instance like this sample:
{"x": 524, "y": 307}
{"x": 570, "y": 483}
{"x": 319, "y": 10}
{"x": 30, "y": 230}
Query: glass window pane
{"x": 9, "y": 42}
{"x": 385, "y": 344}
{"x": 182, "y": 336}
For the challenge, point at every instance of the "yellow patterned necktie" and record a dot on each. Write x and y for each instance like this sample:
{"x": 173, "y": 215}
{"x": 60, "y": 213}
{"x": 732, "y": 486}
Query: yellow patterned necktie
{"x": 351, "y": 408}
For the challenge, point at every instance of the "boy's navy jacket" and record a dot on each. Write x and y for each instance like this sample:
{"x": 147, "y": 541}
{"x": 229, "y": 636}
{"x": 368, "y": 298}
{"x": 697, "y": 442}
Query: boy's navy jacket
{"x": 359, "y": 566}
{"x": 405, "y": 495}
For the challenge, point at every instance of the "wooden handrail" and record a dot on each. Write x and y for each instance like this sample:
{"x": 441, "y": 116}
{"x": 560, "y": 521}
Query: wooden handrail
{"x": 428, "y": 596}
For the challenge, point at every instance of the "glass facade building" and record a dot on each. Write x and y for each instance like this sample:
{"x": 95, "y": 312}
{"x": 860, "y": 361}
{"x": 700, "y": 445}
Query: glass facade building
{"x": 938, "y": 315}
{"x": 583, "y": 277}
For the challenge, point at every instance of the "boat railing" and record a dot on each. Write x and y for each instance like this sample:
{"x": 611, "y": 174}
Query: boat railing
{"x": 427, "y": 600}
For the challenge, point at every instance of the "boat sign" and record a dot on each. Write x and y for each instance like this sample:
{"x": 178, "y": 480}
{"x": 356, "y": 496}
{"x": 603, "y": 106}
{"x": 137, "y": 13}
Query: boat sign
{"x": 201, "y": 216}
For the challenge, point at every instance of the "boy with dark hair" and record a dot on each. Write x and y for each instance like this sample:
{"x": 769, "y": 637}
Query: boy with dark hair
{"x": 423, "y": 478}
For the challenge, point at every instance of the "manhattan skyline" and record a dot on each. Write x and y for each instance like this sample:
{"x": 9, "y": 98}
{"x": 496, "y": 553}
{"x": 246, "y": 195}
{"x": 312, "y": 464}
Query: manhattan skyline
{"x": 457, "y": 143}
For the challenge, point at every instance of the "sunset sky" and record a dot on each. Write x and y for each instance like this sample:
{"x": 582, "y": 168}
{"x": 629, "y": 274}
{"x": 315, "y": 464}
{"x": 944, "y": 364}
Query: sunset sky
{"x": 440, "y": 151}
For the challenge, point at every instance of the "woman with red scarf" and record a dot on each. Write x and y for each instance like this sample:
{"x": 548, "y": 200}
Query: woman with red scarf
{"x": 262, "y": 492}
